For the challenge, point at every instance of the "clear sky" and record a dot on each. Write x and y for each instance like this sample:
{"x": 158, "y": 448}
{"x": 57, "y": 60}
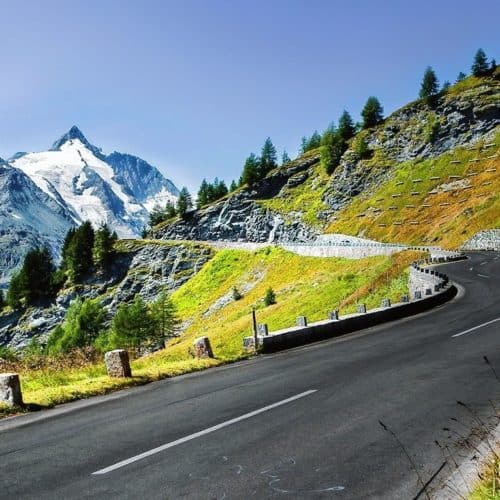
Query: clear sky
{"x": 194, "y": 86}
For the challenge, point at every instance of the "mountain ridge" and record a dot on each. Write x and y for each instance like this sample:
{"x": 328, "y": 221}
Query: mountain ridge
{"x": 76, "y": 179}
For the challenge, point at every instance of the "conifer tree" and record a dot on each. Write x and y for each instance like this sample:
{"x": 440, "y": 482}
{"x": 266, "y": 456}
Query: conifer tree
{"x": 372, "y": 113}
{"x": 165, "y": 313}
{"x": 346, "y": 128}
{"x": 79, "y": 259}
{"x": 103, "y": 247}
{"x": 493, "y": 66}
{"x": 202, "y": 197}
{"x": 82, "y": 325}
{"x": 33, "y": 282}
{"x": 461, "y": 76}
{"x": 430, "y": 85}
{"x": 233, "y": 186}
{"x": 332, "y": 149}
{"x": 170, "y": 211}
{"x": 156, "y": 215}
{"x": 285, "y": 159}
{"x": 446, "y": 86}
{"x": 268, "y": 158}
{"x": 250, "y": 173}
{"x": 480, "y": 65}
{"x": 184, "y": 203}
{"x": 314, "y": 140}
{"x": 270, "y": 297}
{"x": 134, "y": 325}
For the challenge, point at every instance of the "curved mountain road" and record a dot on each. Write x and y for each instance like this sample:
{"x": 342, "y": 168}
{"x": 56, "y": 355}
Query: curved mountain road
{"x": 299, "y": 424}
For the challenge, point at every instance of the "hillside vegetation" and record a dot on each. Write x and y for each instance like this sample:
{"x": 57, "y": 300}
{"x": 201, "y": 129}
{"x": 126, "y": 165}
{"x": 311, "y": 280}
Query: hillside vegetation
{"x": 206, "y": 305}
{"x": 443, "y": 200}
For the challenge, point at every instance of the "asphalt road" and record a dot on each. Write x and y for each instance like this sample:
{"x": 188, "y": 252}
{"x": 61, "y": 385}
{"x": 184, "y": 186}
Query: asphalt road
{"x": 290, "y": 442}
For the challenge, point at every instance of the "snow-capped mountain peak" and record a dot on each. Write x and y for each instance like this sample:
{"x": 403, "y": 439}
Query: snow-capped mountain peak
{"x": 118, "y": 189}
{"x": 74, "y": 133}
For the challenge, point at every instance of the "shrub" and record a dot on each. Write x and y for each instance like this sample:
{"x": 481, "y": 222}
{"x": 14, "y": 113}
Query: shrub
{"x": 83, "y": 323}
{"x": 236, "y": 294}
{"x": 270, "y": 297}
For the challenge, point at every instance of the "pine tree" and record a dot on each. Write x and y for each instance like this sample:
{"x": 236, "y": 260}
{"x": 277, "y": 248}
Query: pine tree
{"x": 480, "y": 65}
{"x": 346, "y": 128}
{"x": 67, "y": 241}
{"x": 461, "y": 76}
{"x": 268, "y": 158}
{"x": 170, "y": 211}
{"x": 233, "y": 186}
{"x": 285, "y": 159}
{"x": 314, "y": 140}
{"x": 372, "y": 113}
{"x": 156, "y": 216}
{"x": 446, "y": 86}
{"x": 82, "y": 325}
{"x": 202, "y": 197}
{"x": 17, "y": 290}
{"x": 79, "y": 258}
{"x": 250, "y": 173}
{"x": 164, "y": 311}
{"x": 304, "y": 144}
{"x": 134, "y": 325}
{"x": 430, "y": 85}
{"x": 493, "y": 66}
{"x": 332, "y": 149}
{"x": 103, "y": 247}
{"x": 184, "y": 203}
{"x": 33, "y": 282}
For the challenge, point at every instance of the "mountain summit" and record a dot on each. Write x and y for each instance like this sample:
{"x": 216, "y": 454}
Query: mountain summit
{"x": 74, "y": 133}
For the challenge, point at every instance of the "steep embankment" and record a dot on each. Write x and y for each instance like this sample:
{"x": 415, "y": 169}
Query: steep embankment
{"x": 416, "y": 150}
{"x": 140, "y": 267}
{"x": 309, "y": 286}
{"x": 443, "y": 200}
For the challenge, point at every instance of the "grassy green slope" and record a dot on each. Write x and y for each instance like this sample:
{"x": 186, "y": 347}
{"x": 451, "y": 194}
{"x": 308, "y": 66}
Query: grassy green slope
{"x": 307, "y": 286}
{"x": 443, "y": 200}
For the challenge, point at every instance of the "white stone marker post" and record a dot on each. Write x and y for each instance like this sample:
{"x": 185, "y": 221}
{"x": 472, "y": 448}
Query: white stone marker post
{"x": 10, "y": 389}
{"x": 117, "y": 363}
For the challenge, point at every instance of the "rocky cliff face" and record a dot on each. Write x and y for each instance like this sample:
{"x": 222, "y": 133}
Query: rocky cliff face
{"x": 144, "y": 268}
{"x": 467, "y": 113}
{"x": 458, "y": 118}
{"x": 239, "y": 216}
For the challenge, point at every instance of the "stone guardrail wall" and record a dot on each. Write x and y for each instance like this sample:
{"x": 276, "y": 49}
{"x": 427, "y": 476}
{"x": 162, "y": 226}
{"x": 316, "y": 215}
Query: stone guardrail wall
{"x": 352, "y": 250}
{"x": 428, "y": 289}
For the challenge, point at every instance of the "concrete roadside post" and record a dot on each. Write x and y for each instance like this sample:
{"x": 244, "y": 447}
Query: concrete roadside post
{"x": 202, "y": 348}
{"x": 117, "y": 363}
{"x": 10, "y": 389}
{"x": 333, "y": 315}
{"x": 301, "y": 321}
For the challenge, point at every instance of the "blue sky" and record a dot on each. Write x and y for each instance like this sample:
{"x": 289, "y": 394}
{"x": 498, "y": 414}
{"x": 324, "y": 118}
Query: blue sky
{"x": 195, "y": 86}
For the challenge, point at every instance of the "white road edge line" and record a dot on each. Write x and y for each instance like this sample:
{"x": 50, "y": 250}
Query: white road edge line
{"x": 476, "y": 327}
{"x": 190, "y": 437}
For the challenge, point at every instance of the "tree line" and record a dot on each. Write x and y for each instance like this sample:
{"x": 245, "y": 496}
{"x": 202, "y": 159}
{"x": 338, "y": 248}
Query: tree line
{"x": 84, "y": 250}
{"x": 430, "y": 90}
{"x": 136, "y": 326}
